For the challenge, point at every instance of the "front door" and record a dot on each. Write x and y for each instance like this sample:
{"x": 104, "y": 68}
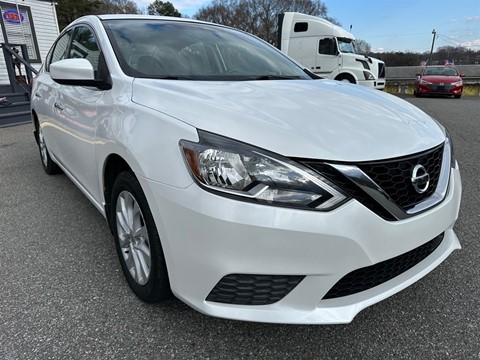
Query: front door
{"x": 75, "y": 110}
{"x": 328, "y": 60}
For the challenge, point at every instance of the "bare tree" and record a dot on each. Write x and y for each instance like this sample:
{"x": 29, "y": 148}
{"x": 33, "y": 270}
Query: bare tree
{"x": 362, "y": 47}
{"x": 258, "y": 17}
{"x": 118, "y": 7}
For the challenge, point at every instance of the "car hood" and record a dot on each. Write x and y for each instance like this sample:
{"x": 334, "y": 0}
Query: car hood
{"x": 318, "y": 119}
{"x": 441, "y": 79}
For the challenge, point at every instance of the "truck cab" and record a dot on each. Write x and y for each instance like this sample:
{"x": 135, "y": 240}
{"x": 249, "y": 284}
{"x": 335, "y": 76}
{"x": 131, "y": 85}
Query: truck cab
{"x": 327, "y": 50}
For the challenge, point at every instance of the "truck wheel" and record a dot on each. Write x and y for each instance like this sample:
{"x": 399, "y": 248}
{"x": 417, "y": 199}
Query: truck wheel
{"x": 346, "y": 78}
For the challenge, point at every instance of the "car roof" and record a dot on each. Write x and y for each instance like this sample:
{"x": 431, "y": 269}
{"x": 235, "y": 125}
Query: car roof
{"x": 147, "y": 17}
{"x": 132, "y": 16}
{"x": 143, "y": 17}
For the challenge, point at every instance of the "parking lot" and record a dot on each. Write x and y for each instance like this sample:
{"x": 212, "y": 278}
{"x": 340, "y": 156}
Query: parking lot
{"x": 63, "y": 295}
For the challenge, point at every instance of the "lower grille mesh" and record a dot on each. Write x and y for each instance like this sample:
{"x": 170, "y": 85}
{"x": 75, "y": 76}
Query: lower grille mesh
{"x": 246, "y": 289}
{"x": 371, "y": 276}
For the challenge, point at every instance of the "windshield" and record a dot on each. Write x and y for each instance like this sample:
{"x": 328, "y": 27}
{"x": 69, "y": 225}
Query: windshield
{"x": 442, "y": 71}
{"x": 190, "y": 51}
{"x": 346, "y": 45}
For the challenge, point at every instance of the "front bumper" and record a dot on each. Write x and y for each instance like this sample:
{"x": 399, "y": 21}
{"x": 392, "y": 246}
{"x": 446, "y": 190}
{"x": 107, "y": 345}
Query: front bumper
{"x": 378, "y": 84}
{"x": 206, "y": 237}
{"x": 437, "y": 89}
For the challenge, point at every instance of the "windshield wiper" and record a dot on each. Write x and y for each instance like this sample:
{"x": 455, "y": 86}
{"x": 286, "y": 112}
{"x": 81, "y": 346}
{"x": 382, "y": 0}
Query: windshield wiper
{"x": 173, "y": 77}
{"x": 278, "y": 77}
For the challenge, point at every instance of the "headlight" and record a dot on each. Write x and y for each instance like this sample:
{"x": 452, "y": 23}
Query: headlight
{"x": 448, "y": 142}
{"x": 232, "y": 168}
{"x": 368, "y": 75}
{"x": 425, "y": 82}
{"x": 458, "y": 83}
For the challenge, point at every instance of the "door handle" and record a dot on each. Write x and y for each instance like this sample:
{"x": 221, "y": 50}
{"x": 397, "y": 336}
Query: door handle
{"x": 59, "y": 106}
{"x": 37, "y": 94}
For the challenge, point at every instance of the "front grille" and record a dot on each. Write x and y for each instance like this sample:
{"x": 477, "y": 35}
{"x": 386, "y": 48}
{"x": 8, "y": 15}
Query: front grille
{"x": 371, "y": 276}
{"x": 440, "y": 88}
{"x": 246, "y": 289}
{"x": 394, "y": 177}
{"x": 350, "y": 188}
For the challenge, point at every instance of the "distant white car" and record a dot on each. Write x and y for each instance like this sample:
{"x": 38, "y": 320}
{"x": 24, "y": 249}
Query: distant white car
{"x": 238, "y": 180}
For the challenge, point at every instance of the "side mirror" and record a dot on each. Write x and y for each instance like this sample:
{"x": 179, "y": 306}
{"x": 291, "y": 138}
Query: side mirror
{"x": 75, "y": 72}
{"x": 462, "y": 75}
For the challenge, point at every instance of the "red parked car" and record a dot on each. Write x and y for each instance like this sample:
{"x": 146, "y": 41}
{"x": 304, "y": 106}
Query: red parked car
{"x": 439, "y": 80}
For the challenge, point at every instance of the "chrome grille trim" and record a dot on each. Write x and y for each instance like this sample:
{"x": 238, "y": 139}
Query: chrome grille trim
{"x": 364, "y": 182}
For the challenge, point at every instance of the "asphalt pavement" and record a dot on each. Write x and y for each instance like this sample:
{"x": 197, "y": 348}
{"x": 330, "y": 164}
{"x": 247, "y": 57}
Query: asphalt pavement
{"x": 63, "y": 295}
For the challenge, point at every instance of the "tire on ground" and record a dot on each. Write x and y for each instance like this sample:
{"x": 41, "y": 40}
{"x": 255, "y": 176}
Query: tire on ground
{"x": 155, "y": 286}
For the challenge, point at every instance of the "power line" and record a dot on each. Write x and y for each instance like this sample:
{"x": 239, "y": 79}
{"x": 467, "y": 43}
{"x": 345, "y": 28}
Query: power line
{"x": 393, "y": 35}
{"x": 451, "y": 41}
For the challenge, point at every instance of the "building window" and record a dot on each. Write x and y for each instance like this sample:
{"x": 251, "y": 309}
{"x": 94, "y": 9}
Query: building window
{"x": 18, "y": 28}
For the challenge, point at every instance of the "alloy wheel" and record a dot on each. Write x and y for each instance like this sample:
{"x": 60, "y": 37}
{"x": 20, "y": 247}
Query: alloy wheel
{"x": 133, "y": 237}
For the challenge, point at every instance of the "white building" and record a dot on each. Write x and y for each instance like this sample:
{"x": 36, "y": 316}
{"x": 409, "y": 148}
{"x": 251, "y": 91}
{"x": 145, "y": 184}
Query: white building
{"x": 30, "y": 22}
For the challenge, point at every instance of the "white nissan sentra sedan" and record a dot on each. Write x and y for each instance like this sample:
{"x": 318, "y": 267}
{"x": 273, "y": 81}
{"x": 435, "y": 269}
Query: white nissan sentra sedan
{"x": 238, "y": 181}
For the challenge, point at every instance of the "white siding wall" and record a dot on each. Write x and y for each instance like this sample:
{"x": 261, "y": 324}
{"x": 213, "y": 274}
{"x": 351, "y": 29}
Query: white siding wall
{"x": 46, "y": 28}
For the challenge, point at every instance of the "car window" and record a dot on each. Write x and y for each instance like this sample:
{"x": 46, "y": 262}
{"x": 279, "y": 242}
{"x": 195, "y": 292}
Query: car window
{"x": 85, "y": 46}
{"x": 184, "y": 50}
{"x": 450, "y": 72}
{"x": 60, "y": 49}
{"x": 441, "y": 71}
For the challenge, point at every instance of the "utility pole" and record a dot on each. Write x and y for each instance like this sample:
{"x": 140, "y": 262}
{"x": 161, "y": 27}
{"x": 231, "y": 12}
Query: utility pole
{"x": 433, "y": 43}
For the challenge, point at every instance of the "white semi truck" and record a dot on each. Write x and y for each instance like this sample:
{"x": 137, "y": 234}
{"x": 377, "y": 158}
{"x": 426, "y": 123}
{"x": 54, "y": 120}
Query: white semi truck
{"x": 327, "y": 50}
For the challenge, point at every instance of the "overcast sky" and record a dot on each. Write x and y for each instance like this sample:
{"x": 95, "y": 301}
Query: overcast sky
{"x": 395, "y": 25}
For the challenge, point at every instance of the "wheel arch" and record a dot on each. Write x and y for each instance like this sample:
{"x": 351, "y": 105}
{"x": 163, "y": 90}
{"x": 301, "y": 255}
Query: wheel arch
{"x": 114, "y": 165}
{"x": 346, "y": 75}
{"x": 36, "y": 124}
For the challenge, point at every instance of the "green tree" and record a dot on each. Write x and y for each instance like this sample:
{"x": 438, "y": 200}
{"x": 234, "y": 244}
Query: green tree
{"x": 163, "y": 8}
{"x": 258, "y": 17}
{"x": 69, "y": 10}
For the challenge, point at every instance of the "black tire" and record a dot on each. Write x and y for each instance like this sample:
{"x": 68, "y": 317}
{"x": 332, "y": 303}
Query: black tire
{"x": 416, "y": 94}
{"x": 48, "y": 165}
{"x": 457, "y": 96}
{"x": 156, "y": 286}
{"x": 346, "y": 78}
